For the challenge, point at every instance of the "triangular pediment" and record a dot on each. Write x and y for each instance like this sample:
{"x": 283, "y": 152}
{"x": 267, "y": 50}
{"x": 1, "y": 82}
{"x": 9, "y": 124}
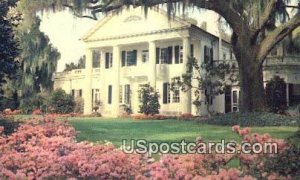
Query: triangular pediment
{"x": 132, "y": 21}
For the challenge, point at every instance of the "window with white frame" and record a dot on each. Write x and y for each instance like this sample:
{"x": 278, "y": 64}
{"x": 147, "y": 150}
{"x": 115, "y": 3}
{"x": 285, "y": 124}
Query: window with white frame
{"x": 176, "y": 94}
{"x": 108, "y": 60}
{"x": 164, "y": 55}
{"x": 127, "y": 94}
{"x": 129, "y": 58}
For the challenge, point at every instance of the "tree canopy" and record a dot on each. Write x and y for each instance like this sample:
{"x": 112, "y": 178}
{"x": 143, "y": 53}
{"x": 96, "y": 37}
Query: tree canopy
{"x": 9, "y": 49}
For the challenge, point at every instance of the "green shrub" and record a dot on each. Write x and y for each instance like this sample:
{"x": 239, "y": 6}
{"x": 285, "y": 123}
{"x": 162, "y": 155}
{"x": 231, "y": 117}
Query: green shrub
{"x": 9, "y": 125}
{"x": 149, "y": 100}
{"x": 251, "y": 119}
{"x": 61, "y": 102}
{"x": 38, "y": 101}
{"x": 286, "y": 163}
{"x": 79, "y": 105}
{"x": 276, "y": 95}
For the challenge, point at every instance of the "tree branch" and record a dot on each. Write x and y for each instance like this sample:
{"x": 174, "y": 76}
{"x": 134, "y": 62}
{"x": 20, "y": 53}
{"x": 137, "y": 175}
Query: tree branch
{"x": 274, "y": 37}
{"x": 265, "y": 16}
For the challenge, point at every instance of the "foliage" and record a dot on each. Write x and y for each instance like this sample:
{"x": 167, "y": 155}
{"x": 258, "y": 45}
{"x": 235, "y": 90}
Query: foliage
{"x": 79, "y": 105}
{"x": 46, "y": 148}
{"x": 208, "y": 78}
{"x": 61, "y": 102}
{"x": 286, "y": 163}
{"x": 9, "y": 124}
{"x": 149, "y": 100}
{"x": 37, "y": 101}
{"x": 38, "y": 58}
{"x": 79, "y": 65}
{"x": 10, "y": 102}
{"x": 276, "y": 95}
{"x": 126, "y": 109}
{"x": 9, "y": 48}
{"x": 252, "y": 119}
{"x": 150, "y": 117}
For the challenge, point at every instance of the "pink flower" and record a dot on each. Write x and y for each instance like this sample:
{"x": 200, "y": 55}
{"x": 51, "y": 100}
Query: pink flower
{"x": 235, "y": 128}
{"x": 1, "y": 129}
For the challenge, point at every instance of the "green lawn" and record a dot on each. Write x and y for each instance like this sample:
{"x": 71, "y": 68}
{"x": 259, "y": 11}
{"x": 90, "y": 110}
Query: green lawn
{"x": 114, "y": 130}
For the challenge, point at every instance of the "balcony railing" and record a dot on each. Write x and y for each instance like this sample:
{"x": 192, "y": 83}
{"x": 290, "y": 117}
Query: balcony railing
{"x": 270, "y": 61}
{"x": 75, "y": 73}
{"x": 282, "y": 61}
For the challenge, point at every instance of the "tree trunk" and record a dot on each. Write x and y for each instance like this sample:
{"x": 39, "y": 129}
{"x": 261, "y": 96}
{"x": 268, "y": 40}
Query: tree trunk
{"x": 251, "y": 83}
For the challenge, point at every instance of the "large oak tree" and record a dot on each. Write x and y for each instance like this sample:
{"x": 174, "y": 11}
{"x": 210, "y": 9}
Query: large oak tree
{"x": 257, "y": 25}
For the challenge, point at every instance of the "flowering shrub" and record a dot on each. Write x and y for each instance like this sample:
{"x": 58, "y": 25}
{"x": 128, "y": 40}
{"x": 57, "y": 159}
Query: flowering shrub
{"x": 44, "y": 148}
{"x": 11, "y": 112}
{"x": 36, "y": 112}
{"x": 150, "y": 117}
{"x": 47, "y": 148}
{"x": 186, "y": 116}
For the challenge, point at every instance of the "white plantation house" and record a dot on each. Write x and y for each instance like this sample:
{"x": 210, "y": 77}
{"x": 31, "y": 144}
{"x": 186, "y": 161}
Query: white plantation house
{"x": 126, "y": 50}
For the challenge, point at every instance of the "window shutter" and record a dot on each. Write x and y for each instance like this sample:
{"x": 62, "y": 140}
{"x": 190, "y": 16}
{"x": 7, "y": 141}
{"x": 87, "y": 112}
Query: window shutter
{"x": 134, "y": 56}
{"x": 192, "y": 50}
{"x": 127, "y": 94}
{"x": 176, "y": 54}
{"x": 205, "y": 54}
{"x": 106, "y": 60}
{"x": 111, "y": 60}
{"x": 109, "y": 94}
{"x": 123, "y": 58}
{"x": 211, "y": 56}
{"x": 170, "y": 54}
{"x": 157, "y": 55}
{"x": 165, "y": 93}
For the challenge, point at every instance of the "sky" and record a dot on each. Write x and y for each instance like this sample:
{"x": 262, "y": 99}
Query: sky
{"x": 65, "y": 31}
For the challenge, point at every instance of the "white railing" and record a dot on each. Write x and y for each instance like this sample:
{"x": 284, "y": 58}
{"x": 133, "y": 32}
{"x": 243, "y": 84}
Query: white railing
{"x": 135, "y": 71}
{"x": 74, "y": 73}
{"x": 282, "y": 60}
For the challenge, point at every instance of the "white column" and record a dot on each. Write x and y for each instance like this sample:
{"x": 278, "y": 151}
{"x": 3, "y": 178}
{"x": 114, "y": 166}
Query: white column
{"x": 103, "y": 85}
{"x": 186, "y": 96}
{"x": 116, "y": 82}
{"x": 152, "y": 62}
{"x": 87, "y": 91}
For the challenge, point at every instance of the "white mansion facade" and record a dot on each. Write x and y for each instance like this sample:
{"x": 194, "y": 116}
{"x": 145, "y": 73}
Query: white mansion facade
{"x": 126, "y": 50}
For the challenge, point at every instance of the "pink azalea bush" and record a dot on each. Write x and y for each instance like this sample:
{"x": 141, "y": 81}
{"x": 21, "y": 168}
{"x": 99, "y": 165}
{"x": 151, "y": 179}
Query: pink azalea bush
{"x": 46, "y": 147}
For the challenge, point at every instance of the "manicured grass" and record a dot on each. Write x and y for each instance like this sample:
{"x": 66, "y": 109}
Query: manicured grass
{"x": 114, "y": 130}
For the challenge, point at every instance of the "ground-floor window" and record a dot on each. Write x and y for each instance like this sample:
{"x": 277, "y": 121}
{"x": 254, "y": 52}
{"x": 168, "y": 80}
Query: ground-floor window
{"x": 232, "y": 99}
{"x": 168, "y": 94}
{"x": 127, "y": 94}
{"x": 176, "y": 94}
{"x": 294, "y": 94}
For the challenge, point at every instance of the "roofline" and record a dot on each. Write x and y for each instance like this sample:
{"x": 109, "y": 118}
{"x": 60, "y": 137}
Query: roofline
{"x": 208, "y": 33}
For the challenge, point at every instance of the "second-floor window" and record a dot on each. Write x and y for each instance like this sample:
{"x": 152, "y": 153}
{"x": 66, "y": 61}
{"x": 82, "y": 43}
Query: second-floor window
{"x": 129, "y": 58}
{"x": 96, "y": 59}
{"x": 108, "y": 60}
{"x": 164, "y": 55}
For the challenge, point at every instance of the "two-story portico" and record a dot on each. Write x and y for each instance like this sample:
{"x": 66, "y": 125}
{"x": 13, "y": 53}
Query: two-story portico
{"x": 136, "y": 50}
